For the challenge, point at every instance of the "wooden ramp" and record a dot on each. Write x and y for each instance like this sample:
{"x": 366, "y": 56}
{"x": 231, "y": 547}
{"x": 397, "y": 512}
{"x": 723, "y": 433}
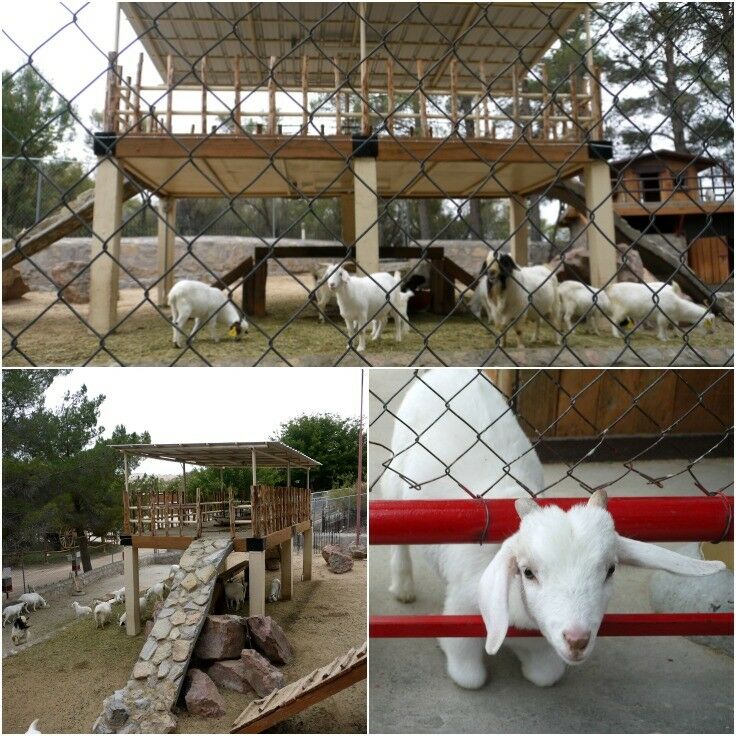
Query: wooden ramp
{"x": 58, "y": 224}
{"x": 342, "y": 672}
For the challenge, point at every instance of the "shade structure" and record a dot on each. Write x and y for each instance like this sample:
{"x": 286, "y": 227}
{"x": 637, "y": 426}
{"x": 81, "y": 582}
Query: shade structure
{"x": 225, "y": 454}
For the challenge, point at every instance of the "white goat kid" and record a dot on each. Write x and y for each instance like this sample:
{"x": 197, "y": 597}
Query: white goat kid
{"x": 518, "y": 294}
{"x": 33, "y": 599}
{"x": 33, "y": 728}
{"x": 526, "y": 581}
{"x": 158, "y": 591}
{"x": 581, "y": 302}
{"x": 81, "y": 611}
{"x": 399, "y": 312}
{"x": 362, "y": 299}
{"x": 657, "y": 301}
{"x": 234, "y": 594}
{"x": 10, "y": 613}
{"x": 275, "y": 592}
{"x": 203, "y": 303}
{"x": 103, "y": 614}
{"x": 118, "y": 596}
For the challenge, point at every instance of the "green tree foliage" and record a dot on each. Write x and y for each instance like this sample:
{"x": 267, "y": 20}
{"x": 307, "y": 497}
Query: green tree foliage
{"x": 58, "y": 471}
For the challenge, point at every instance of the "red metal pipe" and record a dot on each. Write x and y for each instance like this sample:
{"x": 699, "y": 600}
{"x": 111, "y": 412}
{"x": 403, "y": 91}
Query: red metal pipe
{"x": 614, "y": 624}
{"x": 650, "y": 519}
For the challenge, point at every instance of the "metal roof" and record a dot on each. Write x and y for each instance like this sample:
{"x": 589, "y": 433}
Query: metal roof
{"x": 225, "y": 454}
{"x": 497, "y": 34}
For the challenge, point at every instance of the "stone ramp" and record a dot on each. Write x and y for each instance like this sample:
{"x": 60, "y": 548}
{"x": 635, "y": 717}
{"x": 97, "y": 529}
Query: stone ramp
{"x": 61, "y": 222}
{"x": 144, "y": 704}
{"x": 343, "y": 671}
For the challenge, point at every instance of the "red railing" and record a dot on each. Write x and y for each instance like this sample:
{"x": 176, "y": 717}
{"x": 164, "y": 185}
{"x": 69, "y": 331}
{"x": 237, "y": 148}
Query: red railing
{"x": 652, "y": 519}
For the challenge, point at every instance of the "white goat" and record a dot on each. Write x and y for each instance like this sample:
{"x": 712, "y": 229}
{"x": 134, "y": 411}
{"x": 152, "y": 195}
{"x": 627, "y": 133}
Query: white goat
{"x": 234, "y": 594}
{"x": 581, "y": 302}
{"x": 122, "y": 619}
{"x": 158, "y": 591}
{"x": 103, "y": 614}
{"x": 33, "y": 728}
{"x": 275, "y": 594}
{"x": 517, "y": 294}
{"x": 81, "y": 611}
{"x": 322, "y": 293}
{"x": 554, "y": 574}
{"x": 399, "y": 314}
{"x": 118, "y": 596}
{"x": 19, "y": 634}
{"x": 33, "y": 599}
{"x": 362, "y": 299}
{"x": 10, "y": 613}
{"x": 657, "y": 301}
{"x": 193, "y": 299}
{"x": 172, "y": 572}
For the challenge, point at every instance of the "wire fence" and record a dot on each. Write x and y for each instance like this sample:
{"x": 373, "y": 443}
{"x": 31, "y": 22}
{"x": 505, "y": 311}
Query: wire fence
{"x": 335, "y": 517}
{"x": 540, "y": 184}
{"x": 492, "y": 434}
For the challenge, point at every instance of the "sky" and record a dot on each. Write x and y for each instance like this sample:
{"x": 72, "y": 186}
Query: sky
{"x": 178, "y": 405}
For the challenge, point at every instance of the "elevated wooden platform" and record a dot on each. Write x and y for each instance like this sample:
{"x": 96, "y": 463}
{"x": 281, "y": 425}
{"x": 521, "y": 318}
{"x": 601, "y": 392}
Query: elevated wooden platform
{"x": 281, "y": 704}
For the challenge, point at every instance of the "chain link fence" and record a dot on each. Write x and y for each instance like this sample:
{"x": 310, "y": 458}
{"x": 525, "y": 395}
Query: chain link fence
{"x": 484, "y": 433}
{"x": 335, "y": 517}
{"x": 508, "y": 165}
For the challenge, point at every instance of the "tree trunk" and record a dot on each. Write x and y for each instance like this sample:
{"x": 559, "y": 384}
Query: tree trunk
{"x": 475, "y": 223}
{"x": 671, "y": 94}
{"x": 425, "y": 229}
{"x": 83, "y": 550}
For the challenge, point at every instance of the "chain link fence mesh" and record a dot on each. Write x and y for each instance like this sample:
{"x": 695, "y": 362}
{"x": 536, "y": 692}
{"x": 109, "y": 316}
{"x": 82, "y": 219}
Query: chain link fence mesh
{"x": 246, "y": 145}
{"x": 666, "y": 432}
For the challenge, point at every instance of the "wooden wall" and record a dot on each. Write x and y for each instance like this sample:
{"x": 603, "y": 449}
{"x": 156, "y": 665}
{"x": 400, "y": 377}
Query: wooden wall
{"x": 632, "y": 401}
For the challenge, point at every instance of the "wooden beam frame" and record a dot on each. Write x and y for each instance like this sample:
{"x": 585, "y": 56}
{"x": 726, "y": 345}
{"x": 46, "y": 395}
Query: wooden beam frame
{"x": 166, "y": 235}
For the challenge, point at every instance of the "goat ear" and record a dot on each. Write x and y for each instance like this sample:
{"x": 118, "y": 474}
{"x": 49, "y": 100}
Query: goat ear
{"x": 507, "y": 264}
{"x": 525, "y": 506}
{"x": 642, "y": 554}
{"x": 599, "y": 499}
{"x": 493, "y": 594}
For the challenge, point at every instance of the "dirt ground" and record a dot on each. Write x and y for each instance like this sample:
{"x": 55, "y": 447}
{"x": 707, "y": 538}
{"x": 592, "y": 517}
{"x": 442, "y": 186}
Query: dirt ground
{"x": 289, "y": 334}
{"x": 325, "y": 618}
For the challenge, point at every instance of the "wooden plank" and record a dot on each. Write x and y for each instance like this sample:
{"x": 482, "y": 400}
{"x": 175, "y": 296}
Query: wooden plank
{"x": 264, "y": 713}
{"x": 132, "y": 591}
{"x": 457, "y": 273}
{"x": 366, "y": 214}
{"x": 537, "y": 401}
{"x": 601, "y": 233}
{"x": 151, "y": 541}
{"x": 165, "y": 244}
{"x": 519, "y": 230}
{"x": 234, "y": 274}
{"x": 580, "y": 401}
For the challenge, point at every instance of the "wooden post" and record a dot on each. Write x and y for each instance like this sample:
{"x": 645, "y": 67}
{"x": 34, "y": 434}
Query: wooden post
{"x": 169, "y": 91}
{"x": 288, "y": 473}
{"x": 453, "y": 96}
{"x": 231, "y": 511}
{"x": 519, "y": 230}
{"x": 256, "y": 583}
{"x": 305, "y": 95}
{"x": 166, "y": 234}
{"x": 545, "y": 104}
{"x": 203, "y": 76}
{"x": 236, "y": 82}
{"x": 515, "y": 99}
{"x": 253, "y": 468}
{"x": 307, "y": 478}
{"x": 423, "y": 127}
{"x": 126, "y": 496}
{"x": 182, "y": 492}
{"x": 486, "y": 124}
{"x": 137, "y": 101}
{"x": 347, "y": 219}
{"x": 198, "y": 533}
{"x": 272, "y": 98}
{"x": 390, "y": 91}
{"x": 601, "y": 232}
{"x": 365, "y": 123}
{"x": 366, "y": 214}
{"x": 132, "y": 591}
{"x": 307, "y": 554}
{"x": 338, "y": 100}
{"x": 596, "y": 105}
{"x": 574, "y": 104}
{"x": 287, "y": 585}
{"x": 105, "y": 250}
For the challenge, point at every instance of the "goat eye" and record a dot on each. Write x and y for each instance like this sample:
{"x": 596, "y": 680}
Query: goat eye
{"x": 610, "y": 572}
{"x": 528, "y": 574}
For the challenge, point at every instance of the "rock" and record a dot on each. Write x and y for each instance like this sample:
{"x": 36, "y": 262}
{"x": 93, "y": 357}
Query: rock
{"x": 13, "y": 285}
{"x": 188, "y": 632}
{"x": 178, "y": 618}
{"x": 163, "y": 669}
{"x": 175, "y": 633}
{"x": 202, "y": 600}
{"x": 142, "y": 669}
{"x": 261, "y": 675}
{"x": 148, "y": 649}
{"x": 206, "y": 573}
{"x": 202, "y": 698}
{"x": 269, "y": 639}
{"x": 190, "y": 582}
{"x": 230, "y": 674}
{"x": 76, "y": 292}
{"x": 180, "y": 650}
{"x": 223, "y": 637}
{"x": 193, "y": 617}
{"x": 157, "y": 608}
{"x": 165, "y": 613}
{"x": 337, "y": 559}
{"x": 161, "y": 629}
{"x": 357, "y": 551}
{"x": 147, "y": 629}
{"x": 158, "y": 723}
{"x": 162, "y": 653}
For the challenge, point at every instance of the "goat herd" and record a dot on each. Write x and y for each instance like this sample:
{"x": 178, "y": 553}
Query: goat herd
{"x": 510, "y": 295}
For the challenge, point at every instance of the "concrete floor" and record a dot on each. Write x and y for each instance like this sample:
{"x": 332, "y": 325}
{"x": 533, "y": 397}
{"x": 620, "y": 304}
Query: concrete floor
{"x": 629, "y": 685}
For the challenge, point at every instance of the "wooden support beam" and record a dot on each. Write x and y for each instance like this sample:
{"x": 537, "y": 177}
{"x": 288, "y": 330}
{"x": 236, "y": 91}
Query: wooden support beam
{"x": 347, "y": 219}
{"x": 256, "y": 583}
{"x": 131, "y": 581}
{"x": 366, "y": 214}
{"x": 515, "y": 99}
{"x": 307, "y": 554}
{"x": 271, "y": 128}
{"x": 151, "y": 541}
{"x": 137, "y": 100}
{"x": 236, "y": 82}
{"x": 126, "y": 496}
{"x": 338, "y": 98}
{"x": 203, "y": 77}
{"x": 365, "y": 122}
{"x": 423, "y": 127}
{"x": 166, "y": 234}
{"x": 483, "y": 78}
{"x": 391, "y": 97}
{"x": 453, "y": 95}
{"x": 170, "y": 91}
{"x": 519, "y": 230}
{"x": 601, "y": 232}
{"x": 105, "y": 249}
{"x": 305, "y": 94}
{"x": 285, "y": 554}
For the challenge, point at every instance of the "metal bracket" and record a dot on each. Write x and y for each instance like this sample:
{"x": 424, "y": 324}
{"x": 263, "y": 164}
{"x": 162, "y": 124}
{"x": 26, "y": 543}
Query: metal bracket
{"x": 365, "y": 146}
{"x": 600, "y": 150}
{"x": 103, "y": 143}
{"x": 126, "y": 540}
{"x": 255, "y": 544}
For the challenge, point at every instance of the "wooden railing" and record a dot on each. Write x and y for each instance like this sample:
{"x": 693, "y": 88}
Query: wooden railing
{"x": 276, "y": 508}
{"x": 565, "y": 112}
{"x": 672, "y": 189}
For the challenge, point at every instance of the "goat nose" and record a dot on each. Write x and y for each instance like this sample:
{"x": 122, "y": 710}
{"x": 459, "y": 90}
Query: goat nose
{"x": 577, "y": 639}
